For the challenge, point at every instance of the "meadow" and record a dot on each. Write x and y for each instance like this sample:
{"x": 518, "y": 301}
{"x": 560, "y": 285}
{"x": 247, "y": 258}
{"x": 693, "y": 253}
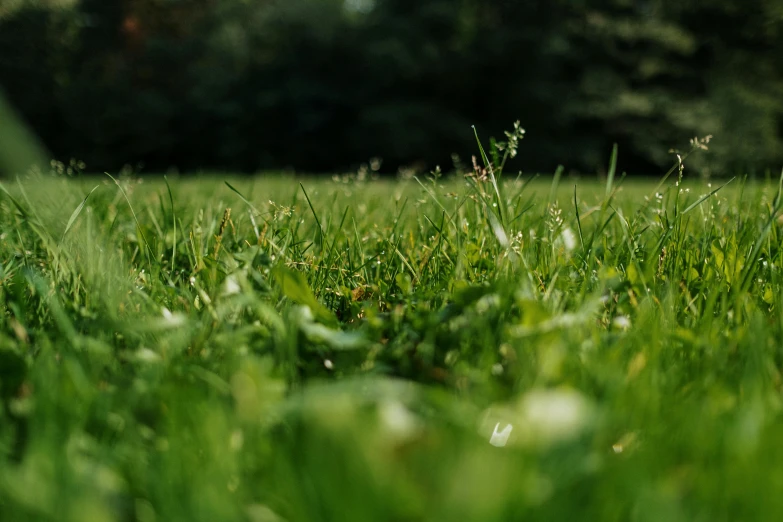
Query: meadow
{"x": 475, "y": 347}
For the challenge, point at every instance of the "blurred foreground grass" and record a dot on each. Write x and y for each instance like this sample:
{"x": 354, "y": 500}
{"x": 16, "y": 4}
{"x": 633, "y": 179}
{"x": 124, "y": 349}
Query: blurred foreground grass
{"x": 364, "y": 350}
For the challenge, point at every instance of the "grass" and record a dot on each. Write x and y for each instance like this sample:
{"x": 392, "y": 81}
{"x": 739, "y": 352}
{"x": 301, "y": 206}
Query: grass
{"x": 304, "y": 350}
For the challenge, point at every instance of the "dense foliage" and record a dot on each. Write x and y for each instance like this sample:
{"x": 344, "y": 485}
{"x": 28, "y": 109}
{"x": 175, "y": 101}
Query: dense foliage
{"x": 321, "y": 84}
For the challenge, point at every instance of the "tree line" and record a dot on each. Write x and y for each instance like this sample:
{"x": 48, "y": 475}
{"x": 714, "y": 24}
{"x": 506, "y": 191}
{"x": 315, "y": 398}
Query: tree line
{"x": 321, "y": 85}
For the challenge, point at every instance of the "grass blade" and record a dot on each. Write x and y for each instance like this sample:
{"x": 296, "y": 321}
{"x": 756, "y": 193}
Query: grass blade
{"x": 76, "y": 212}
{"x": 174, "y": 224}
{"x": 705, "y": 197}
{"x": 578, "y": 221}
{"x": 136, "y": 219}
{"x": 612, "y": 171}
{"x": 243, "y": 198}
{"x": 319, "y": 241}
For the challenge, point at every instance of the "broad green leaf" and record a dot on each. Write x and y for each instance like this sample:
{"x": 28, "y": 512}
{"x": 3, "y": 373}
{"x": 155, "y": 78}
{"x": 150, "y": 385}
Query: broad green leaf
{"x": 335, "y": 339}
{"x": 294, "y": 286}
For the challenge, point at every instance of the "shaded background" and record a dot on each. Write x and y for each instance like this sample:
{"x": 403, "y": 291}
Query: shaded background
{"x": 322, "y": 85}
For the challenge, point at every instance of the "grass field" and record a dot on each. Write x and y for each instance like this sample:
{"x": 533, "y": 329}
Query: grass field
{"x": 417, "y": 350}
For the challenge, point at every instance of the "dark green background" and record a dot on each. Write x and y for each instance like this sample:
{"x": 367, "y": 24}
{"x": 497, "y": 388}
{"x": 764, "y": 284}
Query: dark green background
{"x": 322, "y": 85}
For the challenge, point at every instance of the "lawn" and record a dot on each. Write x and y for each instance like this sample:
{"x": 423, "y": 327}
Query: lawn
{"x": 424, "y": 349}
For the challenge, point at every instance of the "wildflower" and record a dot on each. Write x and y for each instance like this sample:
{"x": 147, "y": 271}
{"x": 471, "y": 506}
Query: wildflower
{"x": 145, "y": 355}
{"x": 231, "y": 286}
{"x": 398, "y": 420}
{"x": 622, "y": 322}
{"x": 500, "y": 438}
{"x": 540, "y": 418}
{"x": 568, "y": 239}
{"x": 555, "y": 415}
{"x": 172, "y": 319}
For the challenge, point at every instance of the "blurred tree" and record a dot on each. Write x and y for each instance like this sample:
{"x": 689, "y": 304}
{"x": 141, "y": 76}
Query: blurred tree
{"x": 302, "y": 83}
{"x": 324, "y": 84}
{"x": 131, "y": 80}
{"x": 742, "y": 60}
{"x": 639, "y": 81}
{"x": 35, "y": 64}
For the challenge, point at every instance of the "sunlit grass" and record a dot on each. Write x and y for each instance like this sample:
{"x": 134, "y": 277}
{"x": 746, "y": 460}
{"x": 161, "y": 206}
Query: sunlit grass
{"x": 420, "y": 349}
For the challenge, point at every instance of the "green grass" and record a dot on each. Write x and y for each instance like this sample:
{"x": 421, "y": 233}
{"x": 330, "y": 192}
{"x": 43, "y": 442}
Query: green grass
{"x": 266, "y": 350}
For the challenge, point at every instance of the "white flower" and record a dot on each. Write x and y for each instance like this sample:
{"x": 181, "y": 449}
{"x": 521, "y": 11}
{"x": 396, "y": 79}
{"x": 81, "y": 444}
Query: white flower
{"x": 172, "y": 319}
{"x": 231, "y": 286}
{"x": 568, "y": 239}
{"x": 500, "y": 438}
{"x": 555, "y": 415}
{"x": 622, "y": 322}
{"x": 540, "y": 419}
{"x": 145, "y": 355}
{"x": 398, "y": 420}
